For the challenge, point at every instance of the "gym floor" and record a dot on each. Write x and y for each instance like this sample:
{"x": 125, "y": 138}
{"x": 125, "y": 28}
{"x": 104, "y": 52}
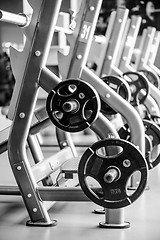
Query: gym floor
{"x": 76, "y": 220}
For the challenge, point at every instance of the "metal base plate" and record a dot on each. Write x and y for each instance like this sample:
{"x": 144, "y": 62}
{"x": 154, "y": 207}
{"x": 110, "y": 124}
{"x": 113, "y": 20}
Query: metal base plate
{"x": 111, "y": 225}
{"x": 41, "y": 224}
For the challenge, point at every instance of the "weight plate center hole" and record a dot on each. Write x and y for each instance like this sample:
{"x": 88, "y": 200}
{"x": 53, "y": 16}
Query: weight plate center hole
{"x": 71, "y": 106}
{"x": 112, "y": 174}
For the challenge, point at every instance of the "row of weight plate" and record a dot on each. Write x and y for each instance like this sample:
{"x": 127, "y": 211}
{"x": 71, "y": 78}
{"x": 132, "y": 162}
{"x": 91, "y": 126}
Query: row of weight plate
{"x": 112, "y": 173}
{"x": 71, "y": 107}
{"x": 137, "y": 83}
{"x": 129, "y": 87}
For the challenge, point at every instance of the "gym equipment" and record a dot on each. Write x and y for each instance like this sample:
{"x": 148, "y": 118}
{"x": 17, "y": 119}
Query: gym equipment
{"x": 151, "y": 76}
{"x": 152, "y": 132}
{"x": 109, "y": 96}
{"x": 123, "y": 63}
{"x": 115, "y": 60}
{"x": 26, "y": 88}
{"x": 114, "y": 34}
{"x": 146, "y": 45}
{"x": 74, "y": 65}
{"x": 31, "y": 73}
{"x": 110, "y": 64}
{"x": 124, "y": 133}
{"x": 111, "y": 173}
{"x": 116, "y": 25}
{"x": 151, "y": 110}
{"x": 73, "y": 105}
{"x": 129, "y": 41}
{"x": 103, "y": 129}
{"x": 119, "y": 85}
{"x": 138, "y": 83}
{"x": 124, "y": 58}
{"x": 153, "y": 53}
{"x": 127, "y": 52}
{"x": 112, "y": 61}
{"x": 142, "y": 58}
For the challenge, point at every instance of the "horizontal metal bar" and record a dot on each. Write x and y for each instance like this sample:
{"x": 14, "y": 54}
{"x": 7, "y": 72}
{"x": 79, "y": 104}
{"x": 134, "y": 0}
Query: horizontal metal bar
{"x": 36, "y": 128}
{"x": 3, "y": 147}
{"x": 74, "y": 194}
{"x": 9, "y": 190}
{"x": 21, "y": 20}
{"x": 64, "y": 30}
{"x": 40, "y": 122}
{"x": 4, "y": 134}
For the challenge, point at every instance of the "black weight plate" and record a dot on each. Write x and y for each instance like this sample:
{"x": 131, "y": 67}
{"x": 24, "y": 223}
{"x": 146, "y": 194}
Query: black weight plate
{"x": 138, "y": 83}
{"x": 73, "y": 105}
{"x": 94, "y": 165}
{"x": 119, "y": 85}
{"x": 152, "y": 77}
{"x": 153, "y": 131}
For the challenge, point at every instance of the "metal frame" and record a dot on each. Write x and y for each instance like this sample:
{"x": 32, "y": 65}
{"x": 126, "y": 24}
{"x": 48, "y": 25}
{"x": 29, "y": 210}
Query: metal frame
{"x": 105, "y": 92}
{"x": 130, "y": 42}
{"x": 115, "y": 39}
{"x": 124, "y": 64}
{"x": 123, "y": 57}
{"x": 32, "y": 60}
{"x": 144, "y": 50}
{"x": 110, "y": 63}
{"x": 77, "y": 56}
{"x": 153, "y": 52}
{"x": 145, "y": 47}
{"x": 33, "y": 75}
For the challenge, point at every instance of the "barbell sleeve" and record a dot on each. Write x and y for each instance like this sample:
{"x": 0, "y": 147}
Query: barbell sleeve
{"x": 111, "y": 175}
{"x": 22, "y": 20}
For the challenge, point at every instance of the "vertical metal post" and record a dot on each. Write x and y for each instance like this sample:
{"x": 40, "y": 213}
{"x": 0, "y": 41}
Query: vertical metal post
{"x": 114, "y": 218}
{"x": 42, "y": 36}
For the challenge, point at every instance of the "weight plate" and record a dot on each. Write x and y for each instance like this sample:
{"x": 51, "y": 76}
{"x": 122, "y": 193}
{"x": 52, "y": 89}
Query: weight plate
{"x": 108, "y": 175}
{"x": 119, "y": 85}
{"x": 138, "y": 84}
{"x": 73, "y": 105}
{"x": 152, "y": 77}
{"x": 152, "y": 133}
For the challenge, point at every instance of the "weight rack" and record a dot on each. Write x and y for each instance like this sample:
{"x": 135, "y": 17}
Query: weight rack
{"x": 34, "y": 74}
